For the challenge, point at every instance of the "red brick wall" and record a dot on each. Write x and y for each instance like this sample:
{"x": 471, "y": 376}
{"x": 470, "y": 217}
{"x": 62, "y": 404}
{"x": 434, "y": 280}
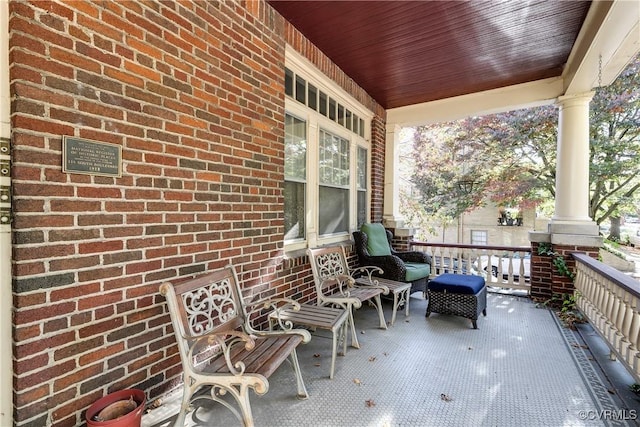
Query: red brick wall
{"x": 541, "y": 274}
{"x": 378, "y": 135}
{"x": 546, "y": 280}
{"x": 193, "y": 92}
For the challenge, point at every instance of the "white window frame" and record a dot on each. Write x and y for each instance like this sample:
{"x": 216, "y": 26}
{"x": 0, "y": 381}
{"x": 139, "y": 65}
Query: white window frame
{"x": 315, "y": 121}
{"x": 486, "y": 237}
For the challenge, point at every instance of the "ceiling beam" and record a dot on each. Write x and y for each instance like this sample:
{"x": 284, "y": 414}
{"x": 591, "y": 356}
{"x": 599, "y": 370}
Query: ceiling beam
{"x": 608, "y": 40}
{"x": 541, "y": 92}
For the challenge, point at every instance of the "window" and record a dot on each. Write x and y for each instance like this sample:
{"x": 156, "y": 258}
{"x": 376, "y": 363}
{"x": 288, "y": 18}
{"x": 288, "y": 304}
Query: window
{"x": 332, "y": 109}
{"x": 326, "y": 188}
{"x": 334, "y": 168}
{"x": 312, "y": 99}
{"x": 361, "y": 185}
{"x": 301, "y": 90}
{"x": 295, "y": 177}
{"x": 323, "y": 104}
{"x": 479, "y": 237}
{"x": 288, "y": 82}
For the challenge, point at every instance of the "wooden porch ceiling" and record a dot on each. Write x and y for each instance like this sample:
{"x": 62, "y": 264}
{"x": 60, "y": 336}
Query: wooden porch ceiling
{"x": 409, "y": 52}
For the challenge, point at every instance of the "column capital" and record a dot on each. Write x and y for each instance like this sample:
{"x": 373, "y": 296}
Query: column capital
{"x": 393, "y": 128}
{"x": 575, "y": 99}
{"x": 393, "y": 222}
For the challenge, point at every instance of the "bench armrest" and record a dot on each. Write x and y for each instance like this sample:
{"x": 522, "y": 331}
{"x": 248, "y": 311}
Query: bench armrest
{"x": 224, "y": 342}
{"x": 369, "y": 270}
{"x": 343, "y": 296}
{"x": 277, "y": 305}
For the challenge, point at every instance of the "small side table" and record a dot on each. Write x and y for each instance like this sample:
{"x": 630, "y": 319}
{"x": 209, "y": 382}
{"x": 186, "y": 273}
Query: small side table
{"x": 399, "y": 290}
{"x": 313, "y": 316}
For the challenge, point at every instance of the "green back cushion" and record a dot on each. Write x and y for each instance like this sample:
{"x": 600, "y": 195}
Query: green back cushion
{"x": 377, "y": 243}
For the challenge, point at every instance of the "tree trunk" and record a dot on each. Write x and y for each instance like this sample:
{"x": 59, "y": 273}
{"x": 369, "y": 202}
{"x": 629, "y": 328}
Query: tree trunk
{"x": 614, "y": 232}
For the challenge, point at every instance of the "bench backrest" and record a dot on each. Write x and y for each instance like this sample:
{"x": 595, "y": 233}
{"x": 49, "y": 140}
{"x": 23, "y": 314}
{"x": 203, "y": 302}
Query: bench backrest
{"x": 205, "y": 304}
{"x": 326, "y": 263}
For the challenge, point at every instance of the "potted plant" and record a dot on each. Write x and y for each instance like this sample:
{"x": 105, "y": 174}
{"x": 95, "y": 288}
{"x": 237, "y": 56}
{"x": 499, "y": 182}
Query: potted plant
{"x": 122, "y": 408}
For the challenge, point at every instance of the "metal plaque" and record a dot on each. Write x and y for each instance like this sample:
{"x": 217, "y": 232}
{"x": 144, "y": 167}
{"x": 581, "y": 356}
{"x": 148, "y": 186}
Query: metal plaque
{"x": 91, "y": 157}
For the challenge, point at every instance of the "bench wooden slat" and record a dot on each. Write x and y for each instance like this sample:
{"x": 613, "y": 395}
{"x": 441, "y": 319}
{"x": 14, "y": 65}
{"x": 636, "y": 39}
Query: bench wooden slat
{"x": 272, "y": 352}
{"x": 364, "y": 294}
{"x": 313, "y": 316}
{"x": 263, "y": 359}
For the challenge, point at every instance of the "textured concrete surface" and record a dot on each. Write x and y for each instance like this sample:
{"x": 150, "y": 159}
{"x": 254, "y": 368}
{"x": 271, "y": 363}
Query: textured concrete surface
{"x": 519, "y": 368}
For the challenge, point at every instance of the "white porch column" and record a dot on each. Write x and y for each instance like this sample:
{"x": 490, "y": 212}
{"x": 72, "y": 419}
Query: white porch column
{"x": 572, "y": 169}
{"x": 6, "y": 299}
{"x": 391, "y": 210}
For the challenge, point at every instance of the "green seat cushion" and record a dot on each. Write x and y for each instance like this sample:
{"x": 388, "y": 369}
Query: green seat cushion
{"x": 377, "y": 243}
{"x": 416, "y": 270}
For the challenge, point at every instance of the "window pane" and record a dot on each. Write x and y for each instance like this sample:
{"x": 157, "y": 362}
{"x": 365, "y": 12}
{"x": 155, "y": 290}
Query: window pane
{"x": 361, "y": 130}
{"x": 362, "y": 207}
{"x": 333, "y": 156}
{"x": 334, "y": 210}
{"x": 332, "y": 109}
{"x": 323, "y": 104}
{"x": 356, "y": 124}
{"x": 362, "y": 186}
{"x": 301, "y": 89}
{"x": 347, "y": 119}
{"x": 312, "y": 99}
{"x": 295, "y": 148}
{"x": 340, "y": 115}
{"x": 362, "y": 168}
{"x": 294, "y": 207}
{"x": 288, "y": 82}
{"x": 295, "y": 172}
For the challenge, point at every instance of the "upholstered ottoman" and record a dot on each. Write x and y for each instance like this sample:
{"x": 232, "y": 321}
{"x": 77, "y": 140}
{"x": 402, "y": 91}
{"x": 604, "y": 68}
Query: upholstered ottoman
{"x": 458, "y": 294}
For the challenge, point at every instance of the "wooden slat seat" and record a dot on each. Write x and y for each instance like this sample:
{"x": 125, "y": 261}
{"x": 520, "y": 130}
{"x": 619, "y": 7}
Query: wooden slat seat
{"x": 364, "y": 294}
{"x": 267, "y": 355}
{"x": 317, "y": 317}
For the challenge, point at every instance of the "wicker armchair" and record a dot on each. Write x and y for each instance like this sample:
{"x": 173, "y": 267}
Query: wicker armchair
{"x": 373, "y": 246}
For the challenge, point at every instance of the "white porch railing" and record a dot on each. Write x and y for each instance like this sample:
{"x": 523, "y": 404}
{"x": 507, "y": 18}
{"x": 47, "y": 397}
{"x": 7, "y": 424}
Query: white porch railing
{"x": 610, "y": 301}
{"x": 501, "y": 266}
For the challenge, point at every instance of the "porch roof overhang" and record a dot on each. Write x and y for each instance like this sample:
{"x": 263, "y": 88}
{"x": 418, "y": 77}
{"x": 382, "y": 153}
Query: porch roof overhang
{"x": 429, "y": 62}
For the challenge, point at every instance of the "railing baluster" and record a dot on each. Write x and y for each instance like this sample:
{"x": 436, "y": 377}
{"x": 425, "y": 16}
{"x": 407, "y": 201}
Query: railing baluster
{"x": 501, "y": 266}
{"x": 609, "y": 299}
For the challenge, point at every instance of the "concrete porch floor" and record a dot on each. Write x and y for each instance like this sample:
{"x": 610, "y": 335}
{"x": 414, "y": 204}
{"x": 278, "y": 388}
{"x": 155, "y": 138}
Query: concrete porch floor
{"x": 519, "y": 368}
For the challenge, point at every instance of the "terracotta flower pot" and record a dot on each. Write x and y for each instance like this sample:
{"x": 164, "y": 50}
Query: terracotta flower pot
{"x": 122, "y": 408}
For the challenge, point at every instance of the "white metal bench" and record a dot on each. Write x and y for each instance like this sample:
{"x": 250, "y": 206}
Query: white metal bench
{"x": 336, "y": 287}
{"x": 220, "y": 348}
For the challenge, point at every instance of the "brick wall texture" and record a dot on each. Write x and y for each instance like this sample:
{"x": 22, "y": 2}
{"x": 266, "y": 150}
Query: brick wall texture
{"x": 193, "y": 92}
{"x": 546, "y": 280}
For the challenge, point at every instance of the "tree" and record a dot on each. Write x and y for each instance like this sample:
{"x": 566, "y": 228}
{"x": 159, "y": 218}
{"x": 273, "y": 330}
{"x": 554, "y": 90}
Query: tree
{"x": 615, "y": 148}
{"x": 511, "y": 157}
